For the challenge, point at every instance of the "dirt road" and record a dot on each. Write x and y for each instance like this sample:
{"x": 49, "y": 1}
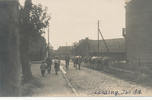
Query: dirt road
{"x": 52, "y": 85}
{"x": 85, "y": 82}
{"x": 88, "y": 82}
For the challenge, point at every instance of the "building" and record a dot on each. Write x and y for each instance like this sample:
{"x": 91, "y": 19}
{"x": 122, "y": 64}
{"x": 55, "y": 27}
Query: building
{"x": 88, "y": 47}
{"x": 139, "y": 32}
{"x": 10, "y": 66}
{"x": 64, "y": 51}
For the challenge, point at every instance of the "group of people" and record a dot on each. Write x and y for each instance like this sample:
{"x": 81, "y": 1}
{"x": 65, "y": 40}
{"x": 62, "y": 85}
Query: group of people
{"x": 76, "y": 62}
{"x": 47, "y": 64}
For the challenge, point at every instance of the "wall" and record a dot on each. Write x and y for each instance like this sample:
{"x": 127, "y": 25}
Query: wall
{"x": 139, "y": 31}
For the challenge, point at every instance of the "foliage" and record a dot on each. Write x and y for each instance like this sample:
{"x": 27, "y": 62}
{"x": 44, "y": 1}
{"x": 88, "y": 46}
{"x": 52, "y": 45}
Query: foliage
{"x": 37, "y": 49}
{"x": 33, "y": 20}
{"x": 81, "y": 48}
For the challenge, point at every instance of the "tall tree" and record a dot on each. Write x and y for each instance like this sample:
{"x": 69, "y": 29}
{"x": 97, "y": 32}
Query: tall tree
{"x": 10, "y": 67}
{"x": 38, "y": 49}
{"x": 82, "y": 48}
{"x": 33, "y": 20}
{"x": 24, "y": 39}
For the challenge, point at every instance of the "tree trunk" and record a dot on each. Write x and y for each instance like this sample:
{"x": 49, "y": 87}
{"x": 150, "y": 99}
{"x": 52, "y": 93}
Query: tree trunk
{"x": 25, "y": 60}
{"x": 10, "y": 67}
{"x": 26, "y": 67}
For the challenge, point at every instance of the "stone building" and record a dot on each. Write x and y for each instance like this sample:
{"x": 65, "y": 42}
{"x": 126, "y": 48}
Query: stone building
{"x": 139, "y": 32}
{"x": 88, "y": 47}
{"x": 10, "y": 66}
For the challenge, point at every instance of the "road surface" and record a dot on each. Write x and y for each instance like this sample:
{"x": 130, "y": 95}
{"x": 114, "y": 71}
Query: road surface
{"x": 52, "y": 85}
{"x": 85, "y": 82}
{"x": 88, "y": 82}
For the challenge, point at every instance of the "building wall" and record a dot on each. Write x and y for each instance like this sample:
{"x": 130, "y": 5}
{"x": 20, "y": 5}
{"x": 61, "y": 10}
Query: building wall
{"x": 10, "y": 66}
{"x": 139, "y": 31}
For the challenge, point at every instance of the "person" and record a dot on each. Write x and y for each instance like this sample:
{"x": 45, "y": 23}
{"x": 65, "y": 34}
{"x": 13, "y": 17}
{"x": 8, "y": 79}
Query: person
{"x": 67, "y": 59}
{"x": 57, "y": 65}
{"x": 79, "y": 60}
{"x": 74, "y": 62}
{"x": 49, "y": 64}
{"x": 43, "y": 68}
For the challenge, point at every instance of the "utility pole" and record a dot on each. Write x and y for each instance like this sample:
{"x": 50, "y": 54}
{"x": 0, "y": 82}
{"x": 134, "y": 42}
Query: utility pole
{"x": 66, "y": 49}
{"x": 98, "y": 36}
{"x": 99, "y": 33}
{"x": 48, "y": 39}
{"x": 104, "y": 41}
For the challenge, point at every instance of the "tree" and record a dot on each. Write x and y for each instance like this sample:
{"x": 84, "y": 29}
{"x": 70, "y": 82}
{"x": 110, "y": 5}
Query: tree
{"x": 38, "y": 49}
{"x": 81, "y": 48}
{"x": 10, "y": 67}
{"x": 33, "y": 21}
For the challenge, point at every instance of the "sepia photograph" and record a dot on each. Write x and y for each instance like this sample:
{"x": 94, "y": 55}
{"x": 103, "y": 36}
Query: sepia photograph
{"x": 75, "y": 48}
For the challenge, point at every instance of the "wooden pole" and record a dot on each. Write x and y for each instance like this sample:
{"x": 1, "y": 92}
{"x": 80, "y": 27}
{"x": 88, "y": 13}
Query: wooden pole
{"x": 104, "y": 41}
{"x": 98, "y": 37}
{"x": 48, "y": 39}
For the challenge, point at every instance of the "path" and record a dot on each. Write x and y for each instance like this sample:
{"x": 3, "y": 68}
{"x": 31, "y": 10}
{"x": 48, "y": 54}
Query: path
{"x": 52, "y": 85}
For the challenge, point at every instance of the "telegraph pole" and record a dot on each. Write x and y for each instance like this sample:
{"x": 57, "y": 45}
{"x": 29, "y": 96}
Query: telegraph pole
{"x": 98, "y": 37}
{"x": 48, "y": 39}
{"x": 48, "y": 34}
{"x": 104, "y": 41}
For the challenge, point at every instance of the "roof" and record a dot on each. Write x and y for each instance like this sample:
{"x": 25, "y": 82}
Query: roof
{"x": 114, "y": 45}
{"x": 64, "y": 50}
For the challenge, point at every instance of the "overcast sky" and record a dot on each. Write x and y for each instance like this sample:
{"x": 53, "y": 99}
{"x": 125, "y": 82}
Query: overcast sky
{"x": 73, "y": 20}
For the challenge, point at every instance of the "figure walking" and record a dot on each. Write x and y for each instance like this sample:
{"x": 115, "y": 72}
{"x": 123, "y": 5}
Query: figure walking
{"x": 79, "y": 62}
{"x": 49, "y": 64}
{"x": 56, "y": 65}
{"x": 67, "y": 60}
{"x": 43, "y": 68}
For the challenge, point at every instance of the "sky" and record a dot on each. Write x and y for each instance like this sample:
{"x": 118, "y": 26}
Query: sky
{"x": 73, "y": 20}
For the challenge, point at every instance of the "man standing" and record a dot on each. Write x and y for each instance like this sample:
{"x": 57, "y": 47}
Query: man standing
{"x": 57, "y": 65}
{"x": 67, "y": 60}
{"x": 49, "y": 64}
{"x": 79, "y": 62}
{"x": 43, "y": 68}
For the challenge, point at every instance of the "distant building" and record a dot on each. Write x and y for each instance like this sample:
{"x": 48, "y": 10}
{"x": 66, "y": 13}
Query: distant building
{"x": 114, "y": 45}
{"x": 116, "y": 48}
{"x": 64, "y": 50}
{"x": 139, "y": 31}
{"x": 87, "y": 47}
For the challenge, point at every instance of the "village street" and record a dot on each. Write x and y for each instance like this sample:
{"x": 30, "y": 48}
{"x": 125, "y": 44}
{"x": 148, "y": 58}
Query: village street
{"x": 84, "y": 82}
{"x": 52, "y": 85}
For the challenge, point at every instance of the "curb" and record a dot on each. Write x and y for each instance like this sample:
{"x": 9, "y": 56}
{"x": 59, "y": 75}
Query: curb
{"x": 69, "y": 84}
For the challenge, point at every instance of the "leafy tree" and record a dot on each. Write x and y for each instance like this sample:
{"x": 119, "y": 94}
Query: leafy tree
{"x": 33, "y": 21}
{"x": 38, "y": 49}
{"x": 81, "y": 48}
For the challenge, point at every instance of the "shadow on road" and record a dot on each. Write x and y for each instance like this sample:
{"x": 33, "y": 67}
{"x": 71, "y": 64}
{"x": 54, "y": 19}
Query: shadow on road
{"x": 27, "y": 89}
{"x": 133, "y": 78}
